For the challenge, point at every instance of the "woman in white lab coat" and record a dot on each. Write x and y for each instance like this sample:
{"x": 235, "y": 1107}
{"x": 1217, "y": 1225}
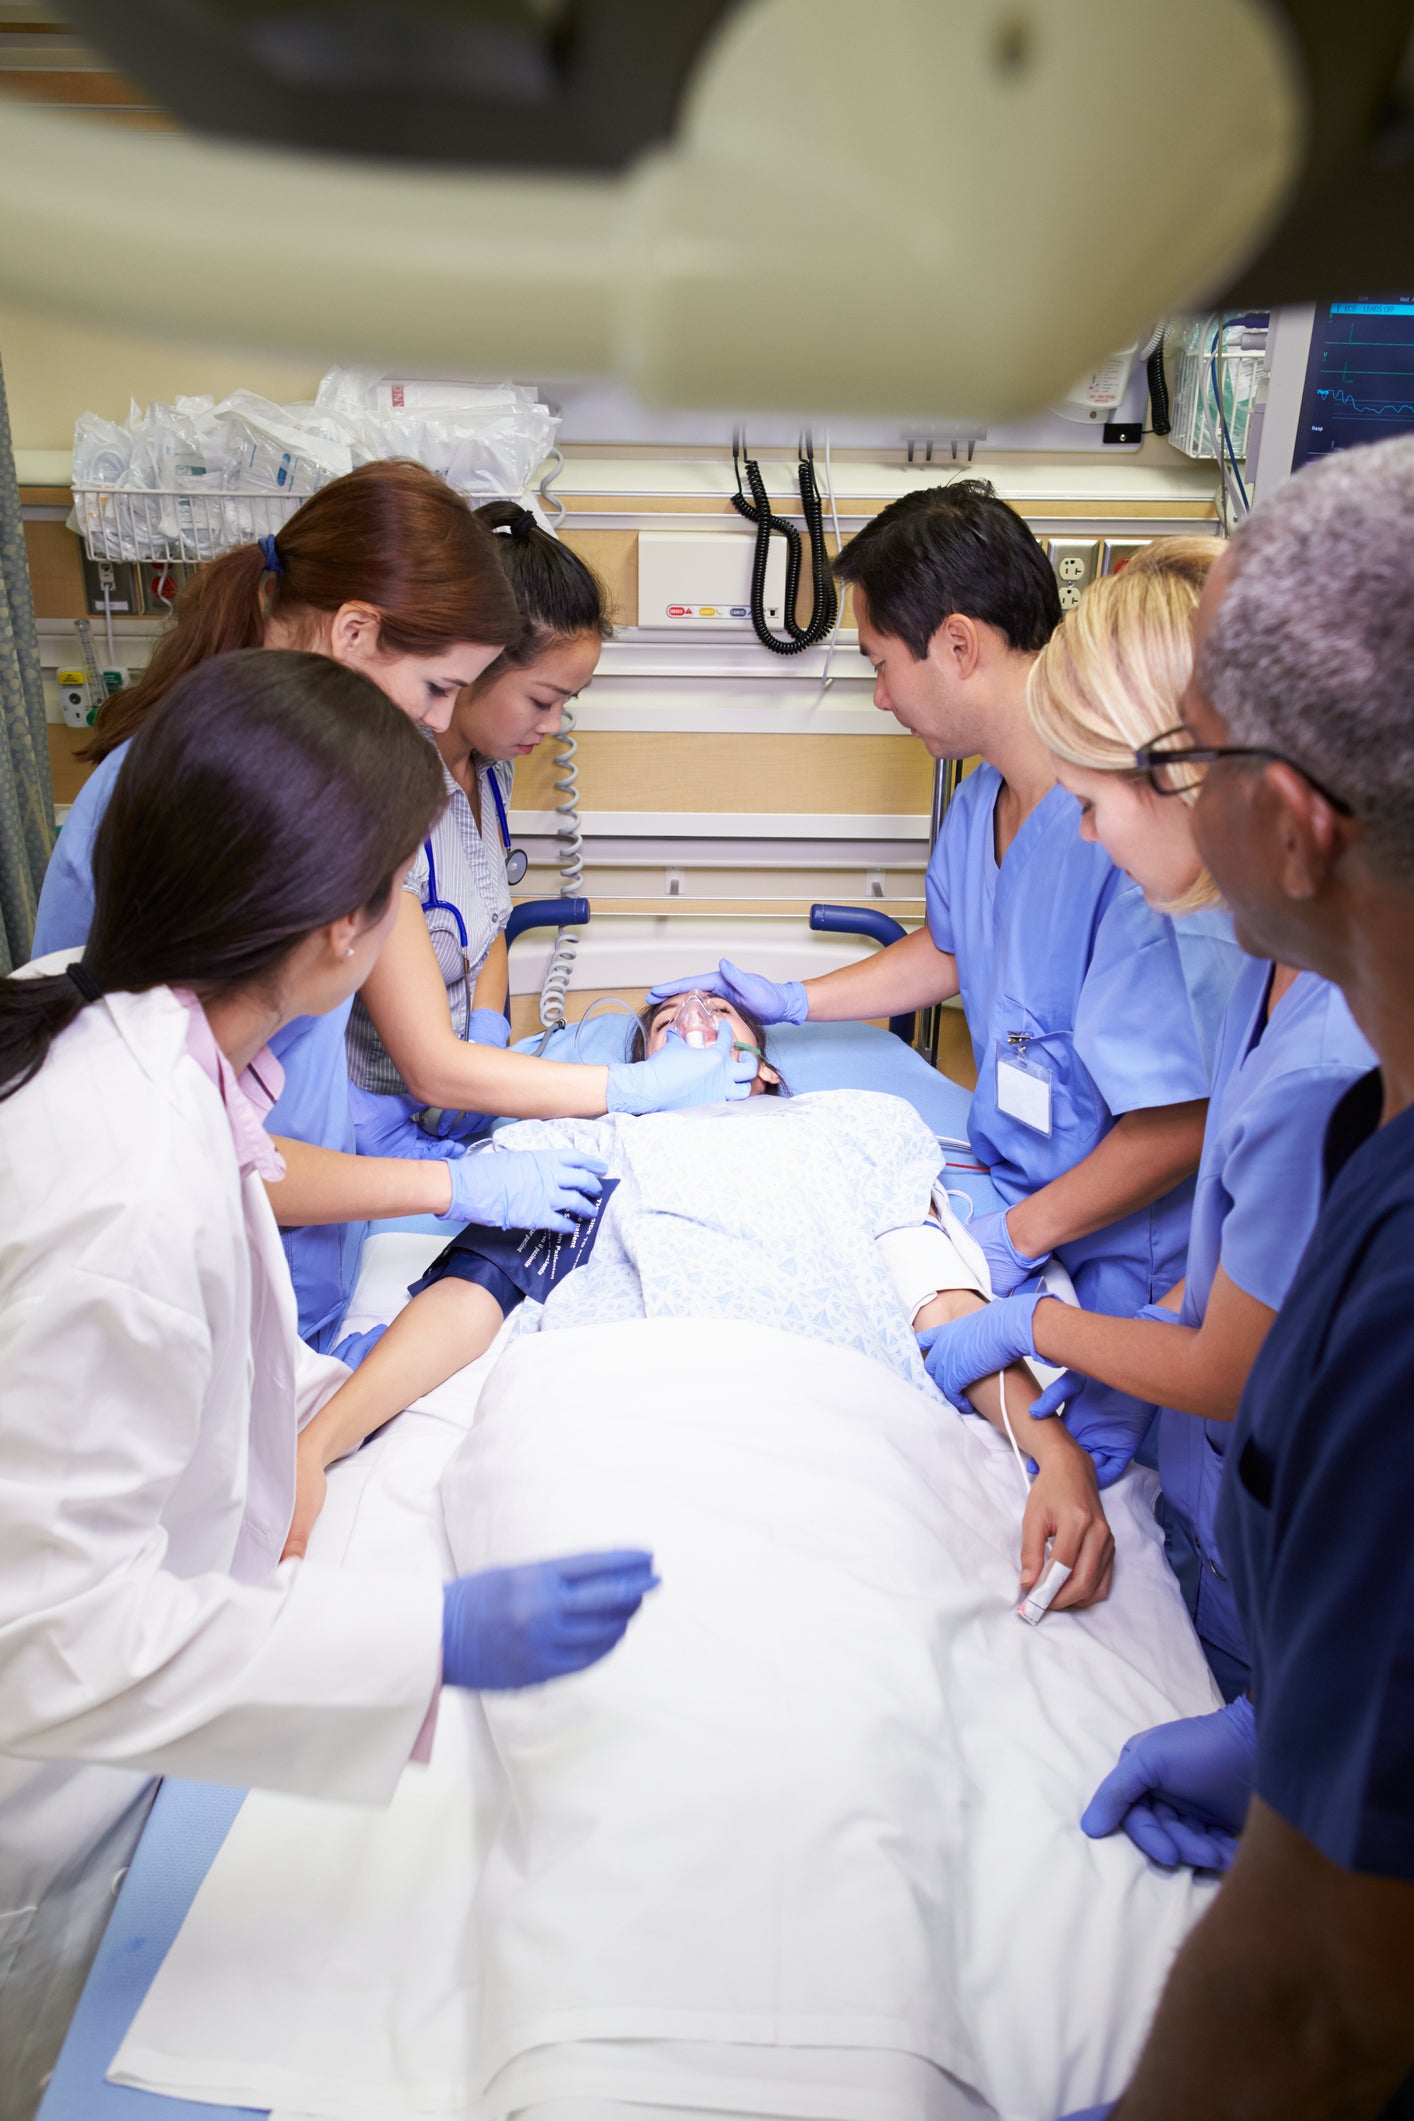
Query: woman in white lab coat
{"x": 247, "y": 870}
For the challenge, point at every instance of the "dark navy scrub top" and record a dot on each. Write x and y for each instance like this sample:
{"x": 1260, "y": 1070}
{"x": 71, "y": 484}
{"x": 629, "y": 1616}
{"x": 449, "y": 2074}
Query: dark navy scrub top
{"x": 1314, "y": 1517}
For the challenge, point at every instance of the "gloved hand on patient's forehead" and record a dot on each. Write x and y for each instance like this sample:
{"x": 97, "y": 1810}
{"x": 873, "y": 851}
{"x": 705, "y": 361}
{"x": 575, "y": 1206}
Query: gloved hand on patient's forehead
{"x": 1007, "y": 1267}
{"x": 765, "y": 999}
{"x": 517, "y": 1627}
{"x": 678, "y": 1076}
{"x": 525, "y": 1189}
{"x": 1181, "y": 1790}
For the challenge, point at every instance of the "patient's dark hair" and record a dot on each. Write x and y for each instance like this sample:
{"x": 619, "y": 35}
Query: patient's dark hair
{"x": 638, "y": 1044}
{"x": 270, "y": 793}
{"x": 953, "y": 550}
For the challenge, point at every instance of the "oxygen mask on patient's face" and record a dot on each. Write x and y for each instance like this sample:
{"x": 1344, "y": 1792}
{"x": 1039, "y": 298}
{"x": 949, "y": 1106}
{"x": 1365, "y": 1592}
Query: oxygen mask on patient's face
{"x": 696, "y": 1021}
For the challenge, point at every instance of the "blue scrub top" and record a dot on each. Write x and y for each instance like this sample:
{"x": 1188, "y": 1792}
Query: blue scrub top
{"x": 1315, "y": 1514}
{"x": 314, "y": 1104}
{"x": 1255, "y": 1205}
{"x": 1059, "y": 944}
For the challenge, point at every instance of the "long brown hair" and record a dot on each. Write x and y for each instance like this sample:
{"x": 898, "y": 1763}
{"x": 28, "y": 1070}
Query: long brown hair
{"x": 391, "y": 534}
{"x": 276, "y": 792}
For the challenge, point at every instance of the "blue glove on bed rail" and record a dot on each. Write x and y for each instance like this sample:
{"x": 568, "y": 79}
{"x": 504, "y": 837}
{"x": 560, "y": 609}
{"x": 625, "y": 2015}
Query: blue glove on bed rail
{"x": 679, "y": 1075}
{"x": 984, "y": 1342}
{"x": 1181, "y": 1790}
{"x": 385, "y": 1124}
{"x": 517, "y": 1627}
{"x": 765, "y": 999}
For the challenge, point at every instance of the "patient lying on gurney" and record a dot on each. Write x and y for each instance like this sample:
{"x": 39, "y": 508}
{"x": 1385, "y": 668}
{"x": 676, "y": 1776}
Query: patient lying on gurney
{"x": 459, "y": 1306}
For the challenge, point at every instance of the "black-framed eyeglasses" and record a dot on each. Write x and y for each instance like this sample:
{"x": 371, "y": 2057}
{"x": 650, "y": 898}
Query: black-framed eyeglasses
{"x": 1168, "y": 764}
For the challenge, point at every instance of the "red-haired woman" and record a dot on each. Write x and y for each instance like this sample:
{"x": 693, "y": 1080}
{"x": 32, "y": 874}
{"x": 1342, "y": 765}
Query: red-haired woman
{"x": 389, "y": 572}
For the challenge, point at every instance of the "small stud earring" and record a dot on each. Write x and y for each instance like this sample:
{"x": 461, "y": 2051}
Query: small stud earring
{"x": 350, "y": 951}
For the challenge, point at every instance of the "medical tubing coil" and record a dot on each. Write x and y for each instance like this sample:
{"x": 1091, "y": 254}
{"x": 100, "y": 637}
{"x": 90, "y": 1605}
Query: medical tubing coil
{"x": 880, "y": 928}
{"x": 571, "y": 865}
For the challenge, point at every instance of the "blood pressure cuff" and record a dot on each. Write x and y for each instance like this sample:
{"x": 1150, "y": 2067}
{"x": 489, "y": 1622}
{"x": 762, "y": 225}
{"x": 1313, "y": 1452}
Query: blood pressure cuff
{"x": 513, "y": 1264}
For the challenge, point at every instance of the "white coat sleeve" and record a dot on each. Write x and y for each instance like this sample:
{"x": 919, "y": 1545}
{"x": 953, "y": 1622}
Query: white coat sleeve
{"x": 315, "y": 1681}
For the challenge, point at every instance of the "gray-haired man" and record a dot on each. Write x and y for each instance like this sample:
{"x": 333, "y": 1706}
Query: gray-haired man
{"x": 1294, "y": 1997}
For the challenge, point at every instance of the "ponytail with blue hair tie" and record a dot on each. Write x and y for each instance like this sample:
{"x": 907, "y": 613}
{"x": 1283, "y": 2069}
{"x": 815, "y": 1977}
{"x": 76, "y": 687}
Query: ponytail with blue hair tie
{"x": 270, "y": 556}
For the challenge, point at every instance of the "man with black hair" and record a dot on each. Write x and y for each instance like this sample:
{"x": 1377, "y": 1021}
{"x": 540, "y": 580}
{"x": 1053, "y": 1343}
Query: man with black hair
{"x": 1092, "y": 1067}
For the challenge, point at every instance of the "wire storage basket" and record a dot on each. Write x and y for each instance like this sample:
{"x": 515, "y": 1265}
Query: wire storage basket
{"x": 175, "y": 525}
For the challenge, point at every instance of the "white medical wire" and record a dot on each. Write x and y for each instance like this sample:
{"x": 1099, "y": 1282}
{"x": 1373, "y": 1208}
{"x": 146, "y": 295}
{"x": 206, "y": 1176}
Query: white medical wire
{"x": 951, "y": 1141}
{"x": 1011, "y": 1433}
{"x": 956, "y": 1193}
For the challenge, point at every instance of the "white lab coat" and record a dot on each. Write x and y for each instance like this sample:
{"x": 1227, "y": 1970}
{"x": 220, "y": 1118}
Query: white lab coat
{"x": 151, "y": 1384}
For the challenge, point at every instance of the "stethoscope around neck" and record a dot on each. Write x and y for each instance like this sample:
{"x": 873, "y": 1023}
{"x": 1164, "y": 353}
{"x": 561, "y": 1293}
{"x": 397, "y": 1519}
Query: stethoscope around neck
{"x": 517, "y": 862}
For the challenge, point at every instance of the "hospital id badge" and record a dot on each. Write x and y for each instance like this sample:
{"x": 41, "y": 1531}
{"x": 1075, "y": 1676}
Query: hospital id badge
{"x": 1024, "y": 1089}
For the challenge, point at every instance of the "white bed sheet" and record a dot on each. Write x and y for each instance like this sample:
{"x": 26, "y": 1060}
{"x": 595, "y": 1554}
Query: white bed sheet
{"x": 942, "y": 1941}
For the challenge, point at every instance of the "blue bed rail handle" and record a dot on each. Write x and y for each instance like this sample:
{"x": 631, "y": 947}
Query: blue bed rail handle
{"x": 544, "y": 913}
{"x": 880, "y": 928}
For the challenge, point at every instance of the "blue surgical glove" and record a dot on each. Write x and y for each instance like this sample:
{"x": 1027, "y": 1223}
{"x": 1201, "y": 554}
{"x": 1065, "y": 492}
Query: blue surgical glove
{"x": 516, "y": 1627}
{"x": 1008, "y": 1267}
{"x": 1111, "y": 1437}
{"x": 984, "y": 1342}
{"x": 354, "y": 1346}
{"x": 678, "y": 1075}
{"x": 488, "y": 1027}
{"x": 524, "y": 1189}
{"x": 385, "y": 1124}
{"x": 762, "y": 998}
{"x": 1181, "y": 1790}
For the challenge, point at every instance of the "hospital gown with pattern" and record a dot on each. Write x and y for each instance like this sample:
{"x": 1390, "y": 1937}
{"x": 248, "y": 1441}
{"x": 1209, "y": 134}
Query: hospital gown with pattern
{"x": 1057, "y": 946}
{"x": 719, "y": 1234}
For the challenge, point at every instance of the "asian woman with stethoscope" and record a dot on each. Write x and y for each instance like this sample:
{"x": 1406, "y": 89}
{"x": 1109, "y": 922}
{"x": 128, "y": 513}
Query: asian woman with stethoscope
{"x": 405, "y": 1054}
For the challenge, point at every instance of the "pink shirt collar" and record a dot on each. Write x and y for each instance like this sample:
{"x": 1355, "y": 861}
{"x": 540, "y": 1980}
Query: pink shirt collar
{"x": 247, "y": 1098}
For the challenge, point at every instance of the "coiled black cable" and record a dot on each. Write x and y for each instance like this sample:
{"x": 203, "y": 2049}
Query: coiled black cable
{"x": 758, "y": 510}
{"x": 1160, "y": 411}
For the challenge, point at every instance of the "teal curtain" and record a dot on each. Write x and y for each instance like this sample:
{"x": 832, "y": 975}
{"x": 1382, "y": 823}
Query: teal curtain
{"x": 26, "y": 791}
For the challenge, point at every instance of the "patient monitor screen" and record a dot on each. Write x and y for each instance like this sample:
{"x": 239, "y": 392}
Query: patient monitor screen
{"x": 1359, "y": 377}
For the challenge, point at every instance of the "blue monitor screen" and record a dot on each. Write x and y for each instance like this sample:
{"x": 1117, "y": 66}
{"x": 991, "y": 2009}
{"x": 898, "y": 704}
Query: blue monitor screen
{"x": 1359, "y": 378}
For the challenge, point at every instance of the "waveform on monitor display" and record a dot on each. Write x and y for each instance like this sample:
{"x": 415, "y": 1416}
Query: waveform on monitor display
{"x": 1368, "y": 408}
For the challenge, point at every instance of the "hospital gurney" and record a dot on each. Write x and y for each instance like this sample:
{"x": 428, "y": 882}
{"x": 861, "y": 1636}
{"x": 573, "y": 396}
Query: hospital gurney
{"x": 190, "y": 1821}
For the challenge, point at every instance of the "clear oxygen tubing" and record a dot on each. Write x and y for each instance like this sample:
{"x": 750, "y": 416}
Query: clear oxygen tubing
{"x": 571, "y": 864}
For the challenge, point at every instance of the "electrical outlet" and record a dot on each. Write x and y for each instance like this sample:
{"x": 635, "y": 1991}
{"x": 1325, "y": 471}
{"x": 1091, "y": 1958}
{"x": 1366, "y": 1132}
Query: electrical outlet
{"x": 74, "y": 703}
{"x": 1116, "y": 553}
{"x": 1076, "y": 563}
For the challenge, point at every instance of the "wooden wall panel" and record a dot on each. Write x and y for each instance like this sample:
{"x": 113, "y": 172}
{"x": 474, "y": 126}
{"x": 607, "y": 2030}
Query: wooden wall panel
{"x": 69, "y": 772}
{"x": 613, "y": 554}
{"x": 55, "y": 573}
{"x": 704, "y": 770}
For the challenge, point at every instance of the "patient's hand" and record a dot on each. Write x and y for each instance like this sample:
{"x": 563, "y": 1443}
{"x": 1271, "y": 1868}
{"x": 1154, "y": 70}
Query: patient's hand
{"x": 310, "y": 1488}
{"x": 1064, "y": 1506}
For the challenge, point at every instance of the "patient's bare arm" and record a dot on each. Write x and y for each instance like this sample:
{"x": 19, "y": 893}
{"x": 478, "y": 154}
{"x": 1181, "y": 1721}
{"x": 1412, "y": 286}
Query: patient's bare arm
{"x": 433, "y": 1337}
{"x": 1064, "y": 1505}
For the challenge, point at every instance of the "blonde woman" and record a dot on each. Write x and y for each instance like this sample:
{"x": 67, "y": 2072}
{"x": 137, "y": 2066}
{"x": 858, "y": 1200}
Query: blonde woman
{"x": 1106, "y": 696}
